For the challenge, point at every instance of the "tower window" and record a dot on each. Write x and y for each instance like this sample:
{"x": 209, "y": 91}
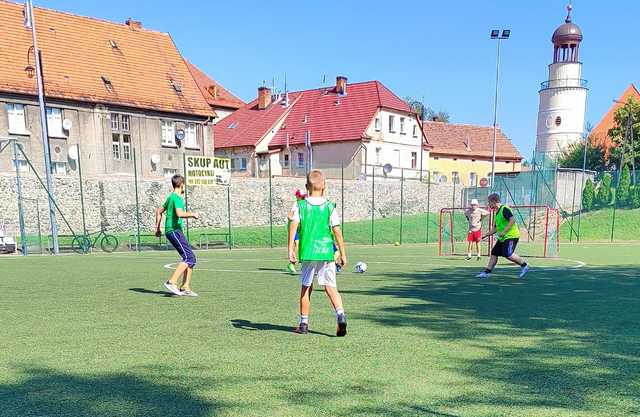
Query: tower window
{"x": 558, "y": 121}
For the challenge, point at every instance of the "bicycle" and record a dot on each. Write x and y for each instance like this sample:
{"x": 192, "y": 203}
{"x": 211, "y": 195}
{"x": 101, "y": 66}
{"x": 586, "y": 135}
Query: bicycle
{"x": 84, "y": 243}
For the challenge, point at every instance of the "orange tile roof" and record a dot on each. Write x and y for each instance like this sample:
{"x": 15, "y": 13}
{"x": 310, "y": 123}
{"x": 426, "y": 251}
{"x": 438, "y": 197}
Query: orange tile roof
{"x": 76, "y": 53}
{"x": 213, "y": 92}
{"x": 452, "y": 139}
{"x": 600, "y": 133}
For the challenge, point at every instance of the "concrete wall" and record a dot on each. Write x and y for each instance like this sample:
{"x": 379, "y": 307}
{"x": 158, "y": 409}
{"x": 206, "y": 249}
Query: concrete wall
{"x": 113, "y": 201}
{"x": 91, "y": 129}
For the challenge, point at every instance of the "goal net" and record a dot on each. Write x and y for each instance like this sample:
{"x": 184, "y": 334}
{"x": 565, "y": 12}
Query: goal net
{"x": 539, "y": 231}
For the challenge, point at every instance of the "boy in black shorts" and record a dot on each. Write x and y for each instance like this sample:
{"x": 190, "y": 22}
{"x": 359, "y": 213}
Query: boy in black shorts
{"x": 507, "y": 233}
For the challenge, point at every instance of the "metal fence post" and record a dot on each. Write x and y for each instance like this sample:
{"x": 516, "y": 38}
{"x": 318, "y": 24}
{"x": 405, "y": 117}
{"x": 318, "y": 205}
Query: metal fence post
{"x": 428, "y": 202}
{"x": 342, "y": 198}
{"x": 84, "y": 219}
{"x": 135, "y": 180}
{"x": 186, "y": 192}
{"x": 373, "y": 201}
{"x": 270, "y": 207}
{"x": 573, "y": 206}
{"x": 401, "y": 201}
{"x": 23, "y": 235}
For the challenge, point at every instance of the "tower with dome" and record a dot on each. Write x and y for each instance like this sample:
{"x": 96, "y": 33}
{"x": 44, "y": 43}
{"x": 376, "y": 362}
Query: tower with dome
{"x": 563, "y": 96}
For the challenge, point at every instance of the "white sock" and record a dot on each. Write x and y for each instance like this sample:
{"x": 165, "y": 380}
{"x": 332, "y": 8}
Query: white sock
{"x": 339, "y": 311}
{"x": 304, "y": 319}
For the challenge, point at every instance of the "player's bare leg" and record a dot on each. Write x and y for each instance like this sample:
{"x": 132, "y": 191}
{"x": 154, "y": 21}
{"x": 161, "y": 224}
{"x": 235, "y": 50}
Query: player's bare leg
{"x": 469, "y": 244}
{"x": 305, "y": 308}
{"x": 478, "y": 250}
{"x": 336, "y": 302}
{"x": 493, "y": 260}
{"x": 186, "y": 279}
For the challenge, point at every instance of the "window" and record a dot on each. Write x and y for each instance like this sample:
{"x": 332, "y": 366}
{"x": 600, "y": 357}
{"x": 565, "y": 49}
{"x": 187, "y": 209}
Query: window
{"x": 115, "y": 146}
{"x": 378, "y": 153}
{"x": 473, "y": 179}
{"x": 243, "y": 164}
{"x": 455, "y": 177}
{"x": 435, "y": 158}
{"x": 376, "y": 124}
{"x": 415, "y": 131}
{"x": 124, "y": 122}
{"x": 238, "y": 164}
{"x": 115, "y": 121}
{"x": 232, "y": 125}
{"x": 169, "y": 173}
{"x": 402, "y": 131}
{"x": 54, "y": 122}
{"x": 414, "y": 160}
{"x": 392, "y": 124}
{"x": 59, "y": 168}
{"x": 300, "y": 160}
{"x": 558, "y": 121}
{"x": 126, "y": 147}
{"x": 396, "y": 159}
{"x": 16, "y": 114}
{"x": 168, "y": 133}
{"x": 191, "y": 137}
{"x": 20, "y": 164}
{"x": 285, "y": 162}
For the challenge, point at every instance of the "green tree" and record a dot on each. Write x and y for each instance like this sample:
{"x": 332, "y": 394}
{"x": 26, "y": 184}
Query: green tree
{"x": 418, "y": 107}
{"x": 635, "y": 197}
{"x": 573, "y": 157}
{"x": 604, "y": 191}
{"x": 626, "y": 144}
{"x": 588, "y": 195}
{"x": 623, "y": 191}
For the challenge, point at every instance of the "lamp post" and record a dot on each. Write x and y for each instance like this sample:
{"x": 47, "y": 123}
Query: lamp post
{"x": 496, "y": 35}
{"x": 29, "y": 23}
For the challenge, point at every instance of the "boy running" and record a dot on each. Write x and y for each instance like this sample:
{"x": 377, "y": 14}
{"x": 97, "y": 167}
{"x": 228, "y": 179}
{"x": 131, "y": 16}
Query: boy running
{"x": 318, "y": 224}
{"x": 507, "y": 233}
{"x": 475, "y": 215}
{"x": 175, "y": 211}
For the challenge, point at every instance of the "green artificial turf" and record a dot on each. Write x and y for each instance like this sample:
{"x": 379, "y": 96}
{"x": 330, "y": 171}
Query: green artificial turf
{"x": 97, "y": 335}
{"x": 597, "y": 225}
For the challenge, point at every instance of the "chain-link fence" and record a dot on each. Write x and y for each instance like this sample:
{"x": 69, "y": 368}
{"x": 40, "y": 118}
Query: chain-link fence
{"x": 376, "y": 205}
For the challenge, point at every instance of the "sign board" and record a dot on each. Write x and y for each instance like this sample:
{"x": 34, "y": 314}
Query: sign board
{"x": 207, "y": 170}
{"x": 484, "y": 182}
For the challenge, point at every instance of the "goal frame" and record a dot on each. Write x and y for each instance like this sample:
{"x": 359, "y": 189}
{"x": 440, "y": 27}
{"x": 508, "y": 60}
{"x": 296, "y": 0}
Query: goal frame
{"x": 551, "y": 219}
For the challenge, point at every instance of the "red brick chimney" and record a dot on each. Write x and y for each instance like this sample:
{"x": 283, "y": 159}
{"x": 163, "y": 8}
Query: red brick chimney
{"x": 341, "y": 85}
{"x": 264, "y": 97}
{"x": 133, "y": 24}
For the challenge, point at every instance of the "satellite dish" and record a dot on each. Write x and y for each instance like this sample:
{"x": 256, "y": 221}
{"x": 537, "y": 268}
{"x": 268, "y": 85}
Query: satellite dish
{"x": 73, "y": 152}
{"x": 387, "y": 168}
{"x": 67, "y": 124}
{"x": 180, "y": 135}
{"x": 155, "y": 159}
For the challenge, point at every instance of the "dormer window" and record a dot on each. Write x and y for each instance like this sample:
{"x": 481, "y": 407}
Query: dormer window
{"x": 176, "y": 86}
{"x": 113, "y": 44}
{"x": 232, "y": 125}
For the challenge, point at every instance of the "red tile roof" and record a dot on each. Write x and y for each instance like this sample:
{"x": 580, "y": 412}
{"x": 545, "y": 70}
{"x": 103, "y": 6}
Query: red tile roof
{"x": 213, "y": 92}
{"x": 450, "y": 138}
{"x": 76, "y": 53}
{"x": 321, "y": 111}
{"x": 600, "y": 134}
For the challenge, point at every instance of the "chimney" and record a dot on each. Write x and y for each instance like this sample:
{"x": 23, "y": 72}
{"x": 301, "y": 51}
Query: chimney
{"x": 435, "y": 119}
{"x": 264, "y": 97}
{"x": 133, "y": 24}
{"x": 341, "y": 85}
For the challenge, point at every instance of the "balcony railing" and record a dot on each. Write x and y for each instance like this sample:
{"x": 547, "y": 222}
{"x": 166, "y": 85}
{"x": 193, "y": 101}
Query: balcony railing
{"x": 564, "y": 82}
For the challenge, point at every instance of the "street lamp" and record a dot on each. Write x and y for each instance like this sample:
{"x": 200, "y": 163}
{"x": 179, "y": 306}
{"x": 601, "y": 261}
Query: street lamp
{"x": 496, "y": 35}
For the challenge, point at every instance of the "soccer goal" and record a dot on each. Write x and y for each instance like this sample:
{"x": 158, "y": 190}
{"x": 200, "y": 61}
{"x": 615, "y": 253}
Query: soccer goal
{"x": 539, "y": 231}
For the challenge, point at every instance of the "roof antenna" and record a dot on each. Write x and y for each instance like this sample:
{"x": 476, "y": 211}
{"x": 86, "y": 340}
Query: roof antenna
{"x": 286, "y": 92}
{"x": 324, "y": 79}
{"x": 569, "y": 10}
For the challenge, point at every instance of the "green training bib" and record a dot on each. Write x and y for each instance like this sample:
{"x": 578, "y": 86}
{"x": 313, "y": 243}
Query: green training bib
{"x": 501, "y": 224}
{"x": 316, "y": 238}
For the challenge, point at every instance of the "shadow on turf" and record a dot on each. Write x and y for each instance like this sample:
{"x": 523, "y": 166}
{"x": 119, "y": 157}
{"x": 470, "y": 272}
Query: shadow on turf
{"x": 47, "y": 392}
{"x": 146, "y": 291}
{"x": 557, "y": 339}
{"x": 249, "y": 325}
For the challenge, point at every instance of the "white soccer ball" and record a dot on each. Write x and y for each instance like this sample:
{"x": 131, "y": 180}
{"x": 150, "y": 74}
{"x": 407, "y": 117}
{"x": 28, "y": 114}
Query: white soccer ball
{"x": 361, "y": 267}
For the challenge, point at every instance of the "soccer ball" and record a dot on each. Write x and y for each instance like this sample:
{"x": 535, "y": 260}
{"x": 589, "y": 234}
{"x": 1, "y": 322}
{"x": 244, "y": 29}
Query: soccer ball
{"x": 361, "y": 267}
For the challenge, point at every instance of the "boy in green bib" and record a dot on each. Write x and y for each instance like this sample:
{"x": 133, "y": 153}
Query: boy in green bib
{"x": 507, "y": 233}
{"x": 316, "y": 221}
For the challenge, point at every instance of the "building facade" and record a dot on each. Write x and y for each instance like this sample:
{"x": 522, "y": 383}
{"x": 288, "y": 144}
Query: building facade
{"x": 563, "y": 97}
{"x": 115, "y": 90}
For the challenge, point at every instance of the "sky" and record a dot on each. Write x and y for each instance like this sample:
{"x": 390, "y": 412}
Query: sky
{"x": 438, "y": 51}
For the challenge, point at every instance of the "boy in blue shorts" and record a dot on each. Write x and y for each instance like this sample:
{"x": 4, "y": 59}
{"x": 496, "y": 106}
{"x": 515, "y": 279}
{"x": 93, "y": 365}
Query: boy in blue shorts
{"x": 174, "y": 209}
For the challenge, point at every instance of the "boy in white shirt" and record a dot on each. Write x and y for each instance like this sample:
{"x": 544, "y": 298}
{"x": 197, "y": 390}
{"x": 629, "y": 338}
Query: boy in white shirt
{"x": 474, "y": 216}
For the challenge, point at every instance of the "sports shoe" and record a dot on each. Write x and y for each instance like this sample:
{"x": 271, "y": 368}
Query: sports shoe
{"x": 478, "y": 258}
{"x": 468, "y": 258}
{"x": 483, "y": 275}
{"x": 342, "y": 326}
{"x": 291, "y": 268}
{"x": 188, "y": 293}
{"x": 523, "y": 271}
{"x": 172, "y": 288}
{"x": 338, "y": 269}
{"x": 303, "y": 328}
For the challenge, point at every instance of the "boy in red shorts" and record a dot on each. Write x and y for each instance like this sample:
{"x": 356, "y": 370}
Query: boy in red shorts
{"x": 475, "y": 215}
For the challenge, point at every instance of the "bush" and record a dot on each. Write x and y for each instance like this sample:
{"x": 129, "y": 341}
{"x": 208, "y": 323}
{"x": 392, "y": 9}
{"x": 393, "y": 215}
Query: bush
{"x": 623, "y": 192}
{"x": 635, "y": 196}
{"x": 604, "y": 191}
{"x": 588, "y": 195}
